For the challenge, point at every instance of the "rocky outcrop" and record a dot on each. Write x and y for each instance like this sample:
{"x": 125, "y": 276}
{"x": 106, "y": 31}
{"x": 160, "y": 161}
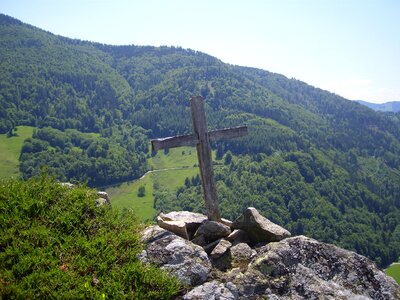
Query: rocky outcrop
{"x": 303, "y": 268}
{"x": 290, "y": 268}
{"x": 213, "y": 290}
{"x": 185, "y": 260}
{"x": 259, "y": 228}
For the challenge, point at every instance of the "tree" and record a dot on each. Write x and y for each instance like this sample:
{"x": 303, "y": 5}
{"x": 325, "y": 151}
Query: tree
{"x": 12, "y": 132}
{"x": 228, "y": 158}
{"x": 220, "y": 152}
{"x": 187, "y": 182}
{"x": 141, "y": 191}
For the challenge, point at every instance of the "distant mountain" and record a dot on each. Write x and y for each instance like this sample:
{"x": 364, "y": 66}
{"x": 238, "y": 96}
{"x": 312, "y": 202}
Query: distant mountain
{"x": 393, "y": 106}
{"x": 313, "y": 162}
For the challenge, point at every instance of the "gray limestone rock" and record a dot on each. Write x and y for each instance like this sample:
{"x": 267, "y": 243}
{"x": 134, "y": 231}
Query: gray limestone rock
{"x": 177, "y": 227}
{"x": 67, "y": 185}
{"x": 238, "y": 236}
{"x": 182, "y": 223}
{"x": 241, "y": 255}
{"x": 303, "y": 268}
{"x": 259, "y": 228}
{"x": 103, "y": 199}
{"x": 213, "y": 290}
{"x": 185, "y": 260}
{"x": 212, "y": 231}
{"x": 222, "y": 246}
{"x": 210, "y": 247}
{"x": 292, "y": 268}
{"x": 101, "y": 202}
{"x": 199, "y": 240}
{"x": 104, "y": 195}
{"x": 226, "y": 222}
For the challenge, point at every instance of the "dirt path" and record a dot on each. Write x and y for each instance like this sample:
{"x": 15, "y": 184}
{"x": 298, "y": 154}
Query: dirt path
{"x": 162, "y": 170}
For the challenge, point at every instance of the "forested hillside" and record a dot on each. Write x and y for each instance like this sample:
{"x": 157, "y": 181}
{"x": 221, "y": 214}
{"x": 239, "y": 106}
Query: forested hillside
{"x": 314, "y": 162}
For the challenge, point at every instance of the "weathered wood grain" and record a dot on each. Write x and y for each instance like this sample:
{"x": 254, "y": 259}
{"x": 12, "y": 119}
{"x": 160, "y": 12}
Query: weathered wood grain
{"x": 201, "y": 139}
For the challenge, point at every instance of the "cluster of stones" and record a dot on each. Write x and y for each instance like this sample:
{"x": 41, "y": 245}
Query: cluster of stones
{"x": 228, "y": 243}
{"x": 253, "y": 258}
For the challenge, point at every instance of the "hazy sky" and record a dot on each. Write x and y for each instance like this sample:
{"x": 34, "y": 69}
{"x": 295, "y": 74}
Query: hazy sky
{"x": 349, "y": 47}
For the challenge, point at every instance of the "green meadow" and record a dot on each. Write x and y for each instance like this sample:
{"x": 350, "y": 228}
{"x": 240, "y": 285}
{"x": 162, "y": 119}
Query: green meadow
{"x": 394, "y": 271}
{"x": 10, "y": 149}
{"x": 182, "y": 157}
{"x": 168, "y": 172}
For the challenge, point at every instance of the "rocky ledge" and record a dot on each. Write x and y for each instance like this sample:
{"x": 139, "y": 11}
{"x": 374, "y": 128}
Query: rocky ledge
{"x": 253, "y": 258}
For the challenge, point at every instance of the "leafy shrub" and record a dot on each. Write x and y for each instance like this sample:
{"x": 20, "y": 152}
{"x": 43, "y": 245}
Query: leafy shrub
{"x": 55, "y": 243}
{"x": 141, "y": 191}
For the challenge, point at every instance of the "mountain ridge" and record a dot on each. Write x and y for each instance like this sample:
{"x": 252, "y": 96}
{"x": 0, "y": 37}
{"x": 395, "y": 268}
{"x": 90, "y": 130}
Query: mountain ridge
{"x": 313, "y": 161}
{"x": 390, "y": 106}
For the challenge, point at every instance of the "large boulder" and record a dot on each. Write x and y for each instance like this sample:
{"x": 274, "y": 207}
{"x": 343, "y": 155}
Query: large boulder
{"x": 182, "y": 223}
{"x": 187, "y": 261}
{"x": 303, "y": 268}
{"x": 259, "y": 228}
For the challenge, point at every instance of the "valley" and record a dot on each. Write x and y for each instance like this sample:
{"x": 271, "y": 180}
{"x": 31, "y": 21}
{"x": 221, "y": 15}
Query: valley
{"x": 168, "y": 172}
{"x": 313, "y": 162}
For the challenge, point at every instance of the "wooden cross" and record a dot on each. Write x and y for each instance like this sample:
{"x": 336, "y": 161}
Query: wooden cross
{"x": 201, "y": 138}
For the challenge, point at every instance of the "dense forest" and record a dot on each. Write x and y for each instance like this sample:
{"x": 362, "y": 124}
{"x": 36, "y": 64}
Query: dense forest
{"x": 313, "y": 161}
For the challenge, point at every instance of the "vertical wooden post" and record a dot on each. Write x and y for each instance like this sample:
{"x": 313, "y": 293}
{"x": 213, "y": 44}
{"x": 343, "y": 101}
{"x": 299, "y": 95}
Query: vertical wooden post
{"x": 201, "y": 138}
{"x": 205, "y": 159}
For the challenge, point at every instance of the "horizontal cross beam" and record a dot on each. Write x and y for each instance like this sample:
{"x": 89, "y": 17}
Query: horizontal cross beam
{"x": 201, "y": 138}
{"x": 227, "y": 133}
{"x": 173, "y": 142}
{"x": 191, "y": 140}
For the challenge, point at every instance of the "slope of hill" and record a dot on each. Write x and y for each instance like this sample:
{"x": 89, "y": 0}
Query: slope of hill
{"x": 313, "y": 162}
{"x": 10, "y": 150}
{"x": 56, "y": 243}
{"x": 393, "y": 106}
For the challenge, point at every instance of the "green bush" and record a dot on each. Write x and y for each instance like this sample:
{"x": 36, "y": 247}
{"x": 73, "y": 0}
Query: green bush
{"x": 56, "y": 244}
{"x": 141, "y": 191}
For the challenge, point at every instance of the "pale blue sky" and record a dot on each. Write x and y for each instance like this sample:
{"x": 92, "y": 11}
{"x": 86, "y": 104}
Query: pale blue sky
{"x": 349, "y": 47}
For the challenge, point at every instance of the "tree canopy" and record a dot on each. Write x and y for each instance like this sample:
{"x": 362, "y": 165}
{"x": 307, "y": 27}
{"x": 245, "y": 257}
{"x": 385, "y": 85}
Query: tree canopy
{"x": 313, "y": 161}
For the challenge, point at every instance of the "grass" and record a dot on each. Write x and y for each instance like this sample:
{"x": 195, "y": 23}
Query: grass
{"x": 176, "y": 158}
{"x": 10, "y": 149}
{"x": 126, "y": 196}
{"x": 56, "y": 244}
{"x": 169, "y": 173}
{"x": 394, "y": 271}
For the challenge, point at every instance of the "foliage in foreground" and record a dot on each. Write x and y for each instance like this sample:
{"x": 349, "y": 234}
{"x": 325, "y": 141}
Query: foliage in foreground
{"x": 56, "y": 243}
